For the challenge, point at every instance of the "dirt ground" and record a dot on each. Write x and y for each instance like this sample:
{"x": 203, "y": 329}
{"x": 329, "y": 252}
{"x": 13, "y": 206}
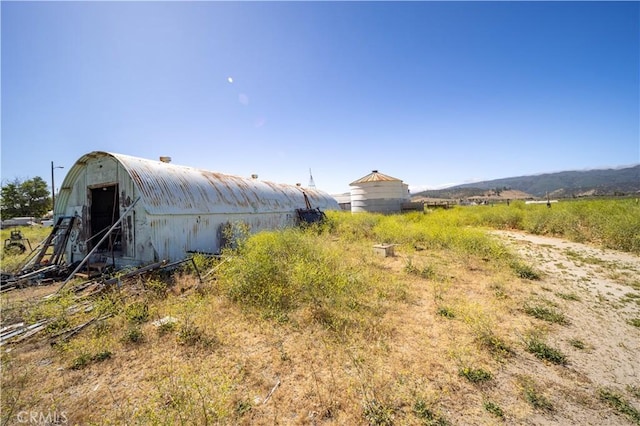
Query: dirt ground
{"x": 606, "y": 284}
{"x": 598, "y": 291}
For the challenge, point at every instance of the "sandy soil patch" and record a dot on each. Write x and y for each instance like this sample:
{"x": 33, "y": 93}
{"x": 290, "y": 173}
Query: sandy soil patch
{"x": 607, "y": 286}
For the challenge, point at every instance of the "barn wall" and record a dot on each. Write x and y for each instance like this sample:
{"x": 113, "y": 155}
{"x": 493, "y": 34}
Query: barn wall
{"x": 179, "y": 210}
{"x": 95, "y": 173}
{"x": 169, "y": 237}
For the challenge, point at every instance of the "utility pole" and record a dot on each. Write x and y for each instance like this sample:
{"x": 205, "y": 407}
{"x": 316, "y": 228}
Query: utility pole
{"x": 53, "y": 187}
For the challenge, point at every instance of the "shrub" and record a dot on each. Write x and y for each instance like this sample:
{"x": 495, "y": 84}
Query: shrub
{"x": 352, "y": 227}
{"x": 278, "y": 272}
{"x": 137, "y": 312}
{"x": 157, "y": 287}
{"x": 133, "y": 334}
{"x": 190, "y": 335}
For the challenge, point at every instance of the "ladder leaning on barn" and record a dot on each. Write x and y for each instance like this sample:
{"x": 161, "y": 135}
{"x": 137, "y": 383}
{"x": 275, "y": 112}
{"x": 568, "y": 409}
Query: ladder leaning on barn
{"x": 53, "y": 247}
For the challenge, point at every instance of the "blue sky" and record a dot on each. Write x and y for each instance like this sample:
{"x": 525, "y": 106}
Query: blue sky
{"x": 433, "y": 93}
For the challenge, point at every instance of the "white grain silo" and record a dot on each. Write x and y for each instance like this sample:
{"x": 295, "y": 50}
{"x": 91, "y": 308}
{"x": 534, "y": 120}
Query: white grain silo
{"x": 379, "y": 193}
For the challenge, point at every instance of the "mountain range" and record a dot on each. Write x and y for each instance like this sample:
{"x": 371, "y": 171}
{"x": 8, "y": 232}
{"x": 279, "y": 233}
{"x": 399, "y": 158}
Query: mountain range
{"x": 597, "y": 182}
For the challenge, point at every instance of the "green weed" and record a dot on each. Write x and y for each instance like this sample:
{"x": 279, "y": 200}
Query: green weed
{"x": 157, "y": 287}
{"x": 133, "y": 334}
{"x": 634, "y": 390}
{"x": 428, "y": 416}
{"x": 57, "y": 325}
{"x": 493, "y": 408}
{"x": 545, "y": 352}
{"x": 493, "y": 343}
{"x": 166, "y": 327}
{"x": 446, "y": 312}
{"x": 524, "y": 271}
{"x": 81, "y": 361}
{"x": 84, "y": 359}
{"x": 537, "y": 399}
{"x": 108, "y": 304}
{"x": 620, "y": 404}
{"x": 53, "y": 307}
{"x": 242, "y": 407}
{"x": 577, "y": 343}
{"x": 475, "y": 375}
{"x": 137, "y": 312}
{"x": 546, "y": 314}
{"x": 635, "y": 322}
{"x": 568, "y": 296}
{"x": 377, "y": 413}
{"x": 498, "y": 291}
{"x": 191, "y": 335}
{"x": 426, "y": 272}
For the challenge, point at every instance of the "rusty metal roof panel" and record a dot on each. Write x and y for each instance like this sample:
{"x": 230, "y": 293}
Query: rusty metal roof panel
{"x": 167, "y": 188}
{"x": 375, "y": 176}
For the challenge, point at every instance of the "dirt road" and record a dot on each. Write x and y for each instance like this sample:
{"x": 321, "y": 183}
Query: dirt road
{"x": 605, "y": 285}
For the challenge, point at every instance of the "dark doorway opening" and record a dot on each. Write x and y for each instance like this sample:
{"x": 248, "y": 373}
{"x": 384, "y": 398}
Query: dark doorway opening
{"x": 104, "y": 213}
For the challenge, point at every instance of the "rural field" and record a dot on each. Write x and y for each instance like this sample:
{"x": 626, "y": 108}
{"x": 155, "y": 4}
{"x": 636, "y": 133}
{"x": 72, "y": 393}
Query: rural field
{"x": 484, "y": 315}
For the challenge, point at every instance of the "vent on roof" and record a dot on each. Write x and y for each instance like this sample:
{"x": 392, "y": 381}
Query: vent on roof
{"x": 165, "y": 159}
{"x": 374, "y": 171}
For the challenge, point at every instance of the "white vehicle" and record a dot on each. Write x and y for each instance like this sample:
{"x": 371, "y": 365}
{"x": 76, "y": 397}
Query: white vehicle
{"x": 18, "y": 221}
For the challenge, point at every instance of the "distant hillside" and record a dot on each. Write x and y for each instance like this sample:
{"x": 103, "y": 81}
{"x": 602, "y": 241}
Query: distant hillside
{"x": 558, "y": 185}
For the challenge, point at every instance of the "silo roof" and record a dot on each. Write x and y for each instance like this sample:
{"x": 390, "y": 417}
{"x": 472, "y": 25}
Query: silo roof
{"x": 375, "y": 176}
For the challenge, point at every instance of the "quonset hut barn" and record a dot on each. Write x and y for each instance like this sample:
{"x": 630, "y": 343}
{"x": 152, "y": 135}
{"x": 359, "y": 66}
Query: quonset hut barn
{"x": 164, "y": 211}
{"x": 377, "y": 192}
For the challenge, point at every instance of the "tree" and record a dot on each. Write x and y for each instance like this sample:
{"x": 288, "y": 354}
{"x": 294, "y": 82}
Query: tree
{"x": 28, "y": 198}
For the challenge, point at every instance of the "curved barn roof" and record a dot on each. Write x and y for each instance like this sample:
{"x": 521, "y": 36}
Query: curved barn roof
{"x": 167, "y": 188}
{"x": 375, "y": 176}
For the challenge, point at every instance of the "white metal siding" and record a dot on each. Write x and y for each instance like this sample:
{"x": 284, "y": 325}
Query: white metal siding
{"x": 381, "y": 196}
{"x": 180, "y": 208}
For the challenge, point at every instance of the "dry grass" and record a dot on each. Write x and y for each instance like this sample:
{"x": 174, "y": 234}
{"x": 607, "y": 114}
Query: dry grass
{"x": 401, "y": 360}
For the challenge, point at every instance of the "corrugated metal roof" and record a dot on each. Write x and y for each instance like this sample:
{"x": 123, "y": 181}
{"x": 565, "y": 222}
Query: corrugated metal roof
{"x": 167, "y": 188}
{"x": 375, "y": 176}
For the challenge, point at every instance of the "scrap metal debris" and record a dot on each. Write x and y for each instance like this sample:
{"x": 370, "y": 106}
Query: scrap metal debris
{"x": 15, "y": 243}
{"x": 309, "y": 215}
{"x": 21, "y": 331}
